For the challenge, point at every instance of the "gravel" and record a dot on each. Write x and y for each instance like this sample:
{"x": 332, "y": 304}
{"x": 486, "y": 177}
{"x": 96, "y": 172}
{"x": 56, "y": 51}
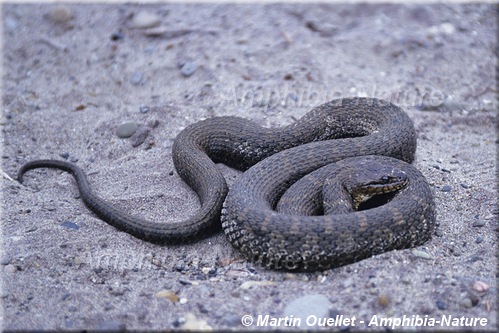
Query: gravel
{"x": 67, "y": 85}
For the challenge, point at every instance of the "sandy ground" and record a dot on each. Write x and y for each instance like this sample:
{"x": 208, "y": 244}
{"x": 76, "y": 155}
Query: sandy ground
{"x": 73, "y": 74}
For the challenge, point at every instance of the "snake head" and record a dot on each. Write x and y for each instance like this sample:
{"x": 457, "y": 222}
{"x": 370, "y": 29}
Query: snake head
{"x": 373, "y": 182}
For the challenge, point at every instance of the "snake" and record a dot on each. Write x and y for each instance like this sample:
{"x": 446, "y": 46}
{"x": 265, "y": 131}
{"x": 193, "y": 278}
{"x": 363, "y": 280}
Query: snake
{"x": 347, "y": 132}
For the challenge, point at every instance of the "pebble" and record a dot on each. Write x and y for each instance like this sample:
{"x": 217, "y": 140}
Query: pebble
{"x": 479, "y": 239}
{"x": 126, "y": 130}
{"x": 308, "y": 305}
{"x": 466, "y": 302}
{"x": 290, "y": 276}
{"x": 144, "y": 109}
{"x": 192, "y": 323}
{"x": 180, "y": 266}
{"x": 136, "y": 78}
{"x": 168, "y": 294}
{"x": 60, "y": 14}
{"x": 441, "y": 305}
{"x": 210, "y": 271}
{"x": 446, "y": 188}
{"x": 145, "y": 19}
{"x": 236, "y": 273}
{"x": 179, "y": 321}
{"x": 383, "y": 301}
{"x": 70, "y": 225}
{"x": 480, "y": 286}
{"x": 422, "y": 254}
{"x": 10, "y": 269}
{"x": 447, "y": 28}
{"x": 189, "y": 68}
{"x": 324, "y": 29}
{"x": 479, "y": 223}
{"x": 188, "y": 283}
{"x": 64, "y": 155}
{"x": 444, "y": 28}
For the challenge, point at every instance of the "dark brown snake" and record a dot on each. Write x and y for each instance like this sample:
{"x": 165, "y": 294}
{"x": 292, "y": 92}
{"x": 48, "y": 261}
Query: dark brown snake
{"x": 277, "y": 158}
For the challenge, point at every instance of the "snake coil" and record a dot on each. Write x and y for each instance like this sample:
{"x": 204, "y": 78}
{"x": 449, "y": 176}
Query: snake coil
{"x": 277, "y": 158}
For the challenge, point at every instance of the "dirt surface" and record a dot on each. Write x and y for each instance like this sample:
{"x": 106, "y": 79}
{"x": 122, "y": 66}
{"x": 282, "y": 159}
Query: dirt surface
{"x": 72, "y": 74}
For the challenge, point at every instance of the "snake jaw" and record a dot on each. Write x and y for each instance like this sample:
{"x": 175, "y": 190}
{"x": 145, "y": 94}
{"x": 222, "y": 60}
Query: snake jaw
{"x": 385, "y": 184}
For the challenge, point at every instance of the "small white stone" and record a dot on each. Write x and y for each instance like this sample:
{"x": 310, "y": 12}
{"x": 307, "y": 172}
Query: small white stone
{"x": 422, "y": 254}
{"x": 145, "y": 19}
{"x": 444, "y": 28}
{"x": 10, "y": 269}
{"x": 447, "y": 28}
{"x": 480, "y": 286}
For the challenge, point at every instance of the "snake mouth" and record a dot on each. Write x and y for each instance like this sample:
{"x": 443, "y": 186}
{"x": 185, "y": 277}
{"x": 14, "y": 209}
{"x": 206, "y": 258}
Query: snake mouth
{"x": 377, "y": 193}
{"x": 375, "y": 200}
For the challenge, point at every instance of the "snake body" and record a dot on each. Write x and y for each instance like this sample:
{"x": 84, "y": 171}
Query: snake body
{"x": 288, "y": 240}
{"x": 328, "y": 133}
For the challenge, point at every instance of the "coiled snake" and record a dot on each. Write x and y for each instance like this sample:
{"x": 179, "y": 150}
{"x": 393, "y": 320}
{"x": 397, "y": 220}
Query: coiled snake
{"x": 335, "y": 131}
